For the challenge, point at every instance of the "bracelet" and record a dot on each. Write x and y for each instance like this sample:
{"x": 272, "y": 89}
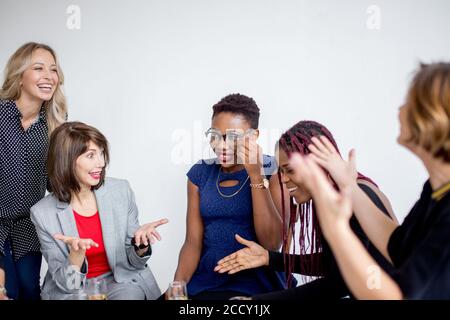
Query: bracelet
{"x": 263, "y": 185}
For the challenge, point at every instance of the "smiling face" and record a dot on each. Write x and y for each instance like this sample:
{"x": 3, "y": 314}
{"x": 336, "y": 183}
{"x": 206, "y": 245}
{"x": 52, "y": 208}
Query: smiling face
{"x": 298, "y": 191}
{"x": 40, "y": 80}
{"x": 228, "y": 122}
{"x": 89, "y": 166}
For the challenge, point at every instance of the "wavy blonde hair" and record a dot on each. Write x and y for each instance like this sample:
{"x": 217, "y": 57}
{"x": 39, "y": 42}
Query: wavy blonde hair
{"x": 428, "y": 112}
{"x": 56, "y": 107}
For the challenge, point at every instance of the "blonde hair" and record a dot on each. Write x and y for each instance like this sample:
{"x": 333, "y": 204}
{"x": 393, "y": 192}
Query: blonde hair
{"x": 56, "y": 107}
{"x": 428, "y": 112}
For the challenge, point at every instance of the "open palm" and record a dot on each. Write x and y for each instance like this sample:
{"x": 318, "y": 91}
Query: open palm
{"x": 333, "y": 207}
{"x": 252, "y": 256}
{"x": 325, "y": 154}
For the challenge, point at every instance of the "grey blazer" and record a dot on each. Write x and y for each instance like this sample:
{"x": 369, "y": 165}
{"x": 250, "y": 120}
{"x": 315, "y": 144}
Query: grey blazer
{"x": 119, "y": 219}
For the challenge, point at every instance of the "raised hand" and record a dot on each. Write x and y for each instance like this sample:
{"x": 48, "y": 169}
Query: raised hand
{"x": 250, "y": 155}
{"x": 252, "y": 256}
{"x": 324, "y": 153}
{"x": 147, "y": 232}
{"x": 334, "y": 208}
{"x": 76, "y": 244}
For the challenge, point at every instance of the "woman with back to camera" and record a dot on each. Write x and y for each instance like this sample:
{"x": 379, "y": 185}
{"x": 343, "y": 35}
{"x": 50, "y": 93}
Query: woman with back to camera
{"x": 419, "y": 247}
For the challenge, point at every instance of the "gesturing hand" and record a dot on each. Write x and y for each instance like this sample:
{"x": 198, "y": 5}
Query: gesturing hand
{"x": 334, "y": 208}
{"x": 76, "y": 244}
{"x": 324, "y": 153}
{"x": 250, "y": 154}
{"x": 252, "y": 256}
{"x": 147, "y": 232}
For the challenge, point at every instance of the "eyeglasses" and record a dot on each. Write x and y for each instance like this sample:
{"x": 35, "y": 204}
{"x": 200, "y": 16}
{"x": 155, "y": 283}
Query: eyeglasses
{"x": 214, "y": 136}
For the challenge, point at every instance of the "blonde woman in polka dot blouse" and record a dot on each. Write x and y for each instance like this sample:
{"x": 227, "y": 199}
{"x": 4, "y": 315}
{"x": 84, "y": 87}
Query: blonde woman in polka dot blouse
{"x": 32, "y": 105}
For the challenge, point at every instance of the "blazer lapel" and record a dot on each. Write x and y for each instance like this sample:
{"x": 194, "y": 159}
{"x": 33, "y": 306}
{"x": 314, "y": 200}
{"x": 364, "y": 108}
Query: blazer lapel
{"x": 67, "y": 222}
{"x": 106, "y": 213}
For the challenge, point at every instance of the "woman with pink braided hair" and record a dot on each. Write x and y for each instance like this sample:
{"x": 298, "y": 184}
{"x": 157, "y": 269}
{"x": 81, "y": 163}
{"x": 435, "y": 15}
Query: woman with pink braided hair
{"x": 314, "y": 258}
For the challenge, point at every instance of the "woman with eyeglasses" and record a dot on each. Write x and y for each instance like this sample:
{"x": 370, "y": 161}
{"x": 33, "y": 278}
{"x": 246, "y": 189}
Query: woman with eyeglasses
{"x": 236, "y": 192}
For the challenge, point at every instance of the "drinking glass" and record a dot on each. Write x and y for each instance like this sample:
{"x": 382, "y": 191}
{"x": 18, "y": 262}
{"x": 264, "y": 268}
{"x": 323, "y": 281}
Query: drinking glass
{"x": 177, "y": 291}
{"x": 96, "y": 289}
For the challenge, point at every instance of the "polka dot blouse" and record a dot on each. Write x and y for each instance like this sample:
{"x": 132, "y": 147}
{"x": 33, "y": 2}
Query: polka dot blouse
{"x": 23, "y": 177}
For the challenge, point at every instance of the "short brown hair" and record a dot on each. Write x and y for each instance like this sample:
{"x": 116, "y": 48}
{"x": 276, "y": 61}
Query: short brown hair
{"x": 67, "y": 143}
{"x": 428, "y": 112}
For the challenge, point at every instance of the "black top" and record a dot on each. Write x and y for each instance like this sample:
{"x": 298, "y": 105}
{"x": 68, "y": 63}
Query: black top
{"x": 420, "y": 249}
{"x": 332, "y": 285}
{"x": 23, "y": 178}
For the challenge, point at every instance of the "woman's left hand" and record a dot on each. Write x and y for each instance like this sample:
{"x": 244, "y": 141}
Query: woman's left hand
{"x": 251, "y": 156}
{"x": 334, "y": 208}
{"x": 147, "y": 232}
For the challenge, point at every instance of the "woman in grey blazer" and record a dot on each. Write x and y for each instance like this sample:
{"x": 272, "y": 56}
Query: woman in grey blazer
{"x": 88, "y": 226}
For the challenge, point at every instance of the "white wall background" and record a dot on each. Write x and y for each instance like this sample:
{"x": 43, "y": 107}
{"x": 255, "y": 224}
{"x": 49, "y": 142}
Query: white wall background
{"x": 145, "y": 71}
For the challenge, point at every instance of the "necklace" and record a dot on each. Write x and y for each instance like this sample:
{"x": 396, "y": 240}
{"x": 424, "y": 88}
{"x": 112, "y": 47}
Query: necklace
{"x": 226, "y": 195}
{"x": 439, "y": 193}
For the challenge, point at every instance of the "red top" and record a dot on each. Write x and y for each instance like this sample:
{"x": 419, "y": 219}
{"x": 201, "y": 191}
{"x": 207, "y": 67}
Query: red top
{"x": 91, "y": 228}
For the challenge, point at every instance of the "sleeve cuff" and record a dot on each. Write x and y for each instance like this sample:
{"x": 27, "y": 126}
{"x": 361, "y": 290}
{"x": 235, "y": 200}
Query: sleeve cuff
{"x": 272, "y": 258}
{"x": 83, "y": 268}
{"x": 148, "y": 253}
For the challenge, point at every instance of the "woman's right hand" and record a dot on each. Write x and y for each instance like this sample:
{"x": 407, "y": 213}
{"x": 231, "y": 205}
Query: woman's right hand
{"x": 77, "y": 248}
{"x": 252, "y": 256}
{"x": 76, "y": 245}
{"x": 325, "y": 154}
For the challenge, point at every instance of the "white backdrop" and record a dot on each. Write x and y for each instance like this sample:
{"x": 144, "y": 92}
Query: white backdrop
{"x": 146, "y": 73}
